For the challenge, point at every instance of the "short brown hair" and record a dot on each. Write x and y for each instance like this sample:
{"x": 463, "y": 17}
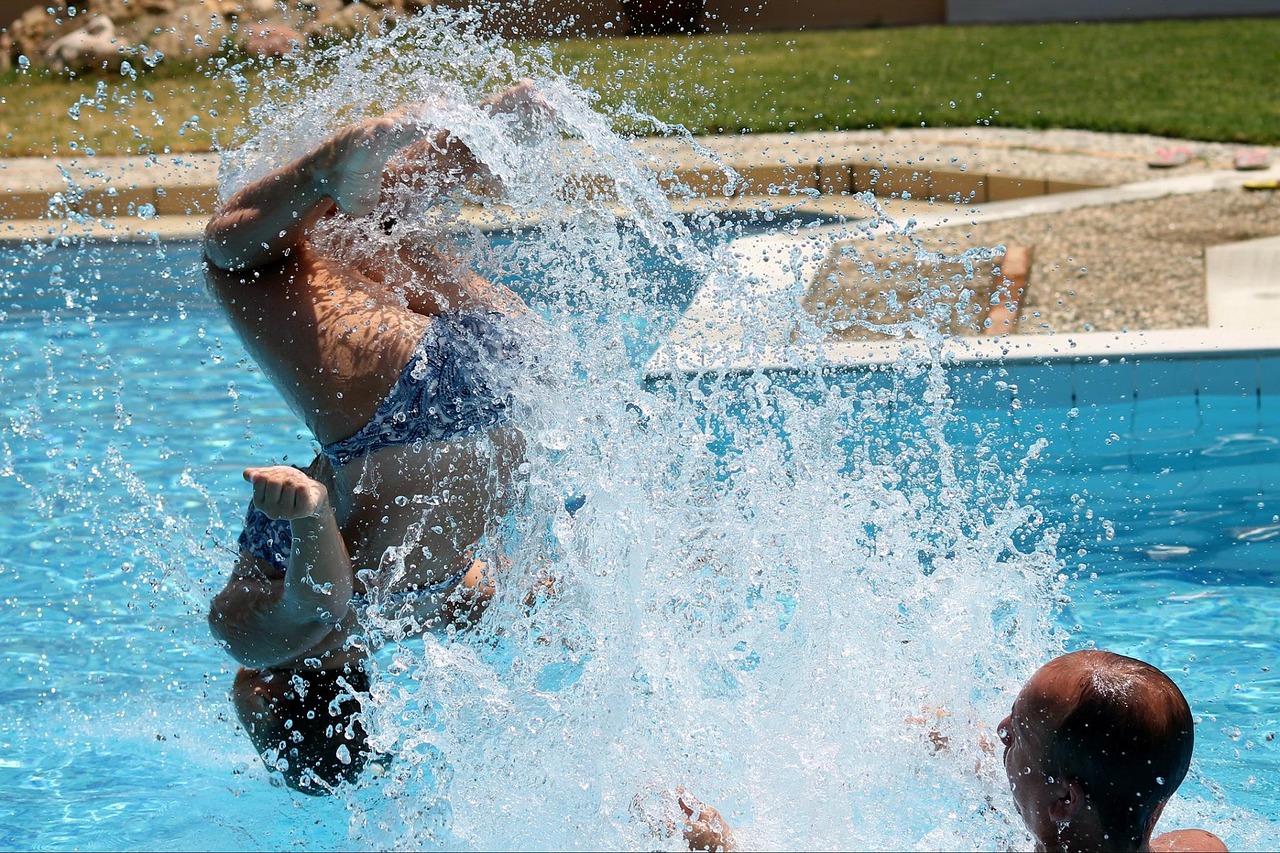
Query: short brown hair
{"x": 1127, "y": 740}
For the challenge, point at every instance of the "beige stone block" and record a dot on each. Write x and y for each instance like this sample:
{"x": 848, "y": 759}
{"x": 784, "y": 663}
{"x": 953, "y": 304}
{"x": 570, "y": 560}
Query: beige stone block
{"x": 1003, "y": 188}
{"x": 881, "y": 180}
{"x": 863, "y": 295}
{"x": 960, "y": 187}
{"x": 588, "y": 187}
{"x": 108, "y": 202}
{"x": 186, "y": 201}
{"x": 921, "y": 184}
{"x": 24, "y": 205}
{"x": 1055, "y": 186}
{"x": 710, "y": 183}
{"x": 778, "y": 180}
{"x": 835, "y": 178}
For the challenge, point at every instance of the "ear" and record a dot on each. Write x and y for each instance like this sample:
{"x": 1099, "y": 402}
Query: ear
{"x": 1068, "y": 803}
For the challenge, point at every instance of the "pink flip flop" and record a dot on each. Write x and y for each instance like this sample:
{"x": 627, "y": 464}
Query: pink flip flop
{"x": 1167, "y": 158}
{"x": 1251, "y": 158}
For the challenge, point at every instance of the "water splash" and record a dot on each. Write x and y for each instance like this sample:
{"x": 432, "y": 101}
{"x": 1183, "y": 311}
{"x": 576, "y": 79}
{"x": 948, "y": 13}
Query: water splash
{"x": 767, "y": 576}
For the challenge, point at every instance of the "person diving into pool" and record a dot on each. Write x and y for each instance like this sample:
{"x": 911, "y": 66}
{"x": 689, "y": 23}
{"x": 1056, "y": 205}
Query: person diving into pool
{"x": 400, "y": 359}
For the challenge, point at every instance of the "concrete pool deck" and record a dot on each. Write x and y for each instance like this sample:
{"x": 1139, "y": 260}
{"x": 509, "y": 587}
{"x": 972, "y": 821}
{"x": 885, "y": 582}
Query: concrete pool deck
{"x": 939, "y": 178}
{"x": 814, "y": 171}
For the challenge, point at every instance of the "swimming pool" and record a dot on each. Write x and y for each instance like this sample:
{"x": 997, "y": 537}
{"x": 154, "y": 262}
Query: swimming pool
{"x": 130, "y": 410}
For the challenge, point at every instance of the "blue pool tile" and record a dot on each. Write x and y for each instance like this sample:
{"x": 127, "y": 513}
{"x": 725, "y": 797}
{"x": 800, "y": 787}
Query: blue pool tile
{"x": 1041, "y": 386}
{"x": 1234, "y": 481}
{"x": 1247, "y": 416}
{"x": 1165, "y": 378}
{"x": 1107, "y": 382}
{"x": 1165, "y": 431}
{"x": 1267, "y": 408}
{"x": 1269, "y": 376}
{"x": 1227, "y": 377}
{"x": 980, "y": 387}
{"x": 1165, "y": 398}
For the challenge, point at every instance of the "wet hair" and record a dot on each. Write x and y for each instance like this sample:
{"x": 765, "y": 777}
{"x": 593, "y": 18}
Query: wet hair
{"x": 1127, "y": 740}
{"x": 310, "y": 730}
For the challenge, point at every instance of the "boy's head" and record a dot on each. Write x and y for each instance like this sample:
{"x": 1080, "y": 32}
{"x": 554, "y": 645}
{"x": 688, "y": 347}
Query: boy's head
{"x": 305, "y": 723}
{"x": 1095, "y": 745}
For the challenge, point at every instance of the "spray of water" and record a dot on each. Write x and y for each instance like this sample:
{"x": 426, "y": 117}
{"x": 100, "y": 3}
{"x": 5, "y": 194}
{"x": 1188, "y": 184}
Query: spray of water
{"x": 769, "y": 575}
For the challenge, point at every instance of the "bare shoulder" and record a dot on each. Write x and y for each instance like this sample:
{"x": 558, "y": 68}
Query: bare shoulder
{"x": 1188, "y": 841}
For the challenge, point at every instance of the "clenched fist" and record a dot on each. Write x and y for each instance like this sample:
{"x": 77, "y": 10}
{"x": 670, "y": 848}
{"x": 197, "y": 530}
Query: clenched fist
{"x": 282, "y": 491}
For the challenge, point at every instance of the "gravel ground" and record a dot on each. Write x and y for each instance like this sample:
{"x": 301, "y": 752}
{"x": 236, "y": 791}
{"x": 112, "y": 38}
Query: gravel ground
{"x": 1138, "y": 265}
{"x": 1135, "y": 266}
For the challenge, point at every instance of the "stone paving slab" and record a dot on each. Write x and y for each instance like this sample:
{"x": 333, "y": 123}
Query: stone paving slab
{"x": 774, "y": 282}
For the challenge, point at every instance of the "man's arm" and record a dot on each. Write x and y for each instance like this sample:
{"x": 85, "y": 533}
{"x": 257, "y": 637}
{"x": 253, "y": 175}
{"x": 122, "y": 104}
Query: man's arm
{"x": 265, "y": 221}
{"x": 267, "y": 621}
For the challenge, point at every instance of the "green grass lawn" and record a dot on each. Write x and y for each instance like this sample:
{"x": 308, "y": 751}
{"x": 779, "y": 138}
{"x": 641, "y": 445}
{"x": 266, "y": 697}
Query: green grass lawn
{"x": 1206, "y": 80}
{"x": 1209, "y": 80}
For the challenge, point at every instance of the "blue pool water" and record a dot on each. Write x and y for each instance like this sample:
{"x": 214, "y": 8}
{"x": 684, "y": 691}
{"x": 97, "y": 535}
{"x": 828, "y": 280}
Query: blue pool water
{"x": 129, "y": 411}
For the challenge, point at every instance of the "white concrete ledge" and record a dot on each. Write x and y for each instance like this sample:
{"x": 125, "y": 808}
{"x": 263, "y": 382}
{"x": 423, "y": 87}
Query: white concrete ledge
{"x": 1085, "y": 347}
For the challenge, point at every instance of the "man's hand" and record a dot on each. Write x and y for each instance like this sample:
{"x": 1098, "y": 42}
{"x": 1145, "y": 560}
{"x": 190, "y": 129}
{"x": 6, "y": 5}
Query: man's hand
{"x": 705, "y": 829}
{"x": 282, "y": 491}
{"x": 524, "y": 103}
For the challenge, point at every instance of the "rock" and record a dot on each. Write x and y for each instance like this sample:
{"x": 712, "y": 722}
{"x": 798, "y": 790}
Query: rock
{"x": 264, "y": 41}
{"x": 35, "y": 29}
{"x": 119, "y": 11}
{"x": 190, "y": 33}
{"x": 346, "y": 22}
{"x": 303, "y": 13}
{"x": 89, "y": 48}
{"x": 188, "y": 30}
